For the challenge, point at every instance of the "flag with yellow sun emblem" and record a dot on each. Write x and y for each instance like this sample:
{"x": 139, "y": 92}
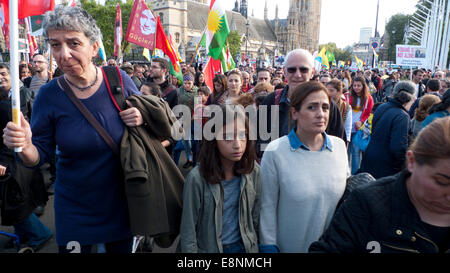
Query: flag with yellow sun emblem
{"x": 216, "y": 29}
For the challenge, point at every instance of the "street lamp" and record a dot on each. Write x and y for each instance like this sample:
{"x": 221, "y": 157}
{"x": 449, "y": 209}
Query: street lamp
{"x": 247, "y": 24}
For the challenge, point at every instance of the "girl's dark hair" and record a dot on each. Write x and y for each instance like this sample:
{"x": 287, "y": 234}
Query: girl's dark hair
{"x": 432, "y": 143}
{"x": 205, "y": 90}
{"x": 196, "y": 80}
{"x": 365, "y": 92}
{"x": 336, "y": 84}
{"x": 444, "y": 104}
{"x": 210, "y": 164}
{"x": 221, "y": 79}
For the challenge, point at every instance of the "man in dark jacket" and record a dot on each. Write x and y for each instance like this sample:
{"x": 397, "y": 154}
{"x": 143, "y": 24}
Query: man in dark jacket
{"x": 299, "y": 68}
{"x": 159, "y": 70}
{"x": 27, "y": 185}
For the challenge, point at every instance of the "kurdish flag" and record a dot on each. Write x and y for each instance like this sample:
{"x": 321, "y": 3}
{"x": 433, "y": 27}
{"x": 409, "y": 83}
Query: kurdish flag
{"x": 322, "y": 57}
{"x": 216, "y": 29}
{"x": 227, "y": 60}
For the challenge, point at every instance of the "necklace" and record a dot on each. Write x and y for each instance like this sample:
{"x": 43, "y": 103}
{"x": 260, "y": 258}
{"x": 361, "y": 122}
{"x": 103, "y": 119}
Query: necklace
{"x": 84, "y": 88}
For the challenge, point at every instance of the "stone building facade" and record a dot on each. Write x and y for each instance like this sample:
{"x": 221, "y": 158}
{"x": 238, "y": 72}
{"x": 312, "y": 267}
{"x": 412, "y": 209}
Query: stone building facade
{"x": 262, "y": 39}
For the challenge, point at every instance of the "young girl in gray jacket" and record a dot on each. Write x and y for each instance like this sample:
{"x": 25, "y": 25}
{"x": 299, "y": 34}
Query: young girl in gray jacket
{"x": 221, "y": 196}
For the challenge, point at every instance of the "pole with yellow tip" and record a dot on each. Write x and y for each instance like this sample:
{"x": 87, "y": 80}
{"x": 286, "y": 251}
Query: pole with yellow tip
{"x": 14, "y": 63}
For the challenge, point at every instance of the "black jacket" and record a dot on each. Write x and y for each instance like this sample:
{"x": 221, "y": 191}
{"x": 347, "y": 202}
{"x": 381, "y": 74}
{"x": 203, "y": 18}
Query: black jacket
{"x": 385, "y": 154}
{"x": 21, "y": 189}
{"x": 377, "y": 218}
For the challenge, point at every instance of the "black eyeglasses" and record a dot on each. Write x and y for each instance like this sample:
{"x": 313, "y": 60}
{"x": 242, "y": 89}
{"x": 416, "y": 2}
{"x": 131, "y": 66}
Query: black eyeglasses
{"x": 302, "y": 69}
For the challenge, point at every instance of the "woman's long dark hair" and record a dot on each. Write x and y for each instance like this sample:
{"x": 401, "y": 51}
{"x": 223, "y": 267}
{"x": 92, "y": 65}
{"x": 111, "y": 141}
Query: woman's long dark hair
{"x": 196, "y": 80}
{"x": 365, "y": 93}
{"x": 222, "y": 80}
{"x": 210, "y": 164}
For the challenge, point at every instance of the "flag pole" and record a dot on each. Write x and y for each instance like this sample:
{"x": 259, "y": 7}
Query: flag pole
{"x": 14, "y": 63}
{"x": 196, "y": 50}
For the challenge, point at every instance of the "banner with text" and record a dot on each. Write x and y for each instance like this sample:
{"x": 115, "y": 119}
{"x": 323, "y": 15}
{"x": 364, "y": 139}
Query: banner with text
{"x": 408, "y": 55}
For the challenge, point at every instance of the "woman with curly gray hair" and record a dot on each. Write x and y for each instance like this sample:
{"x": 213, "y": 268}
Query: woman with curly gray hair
{"x": 90, "y": 204}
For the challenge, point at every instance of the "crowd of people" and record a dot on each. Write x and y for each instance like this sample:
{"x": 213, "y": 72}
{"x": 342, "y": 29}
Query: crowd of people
{"x": 386, "y": 131}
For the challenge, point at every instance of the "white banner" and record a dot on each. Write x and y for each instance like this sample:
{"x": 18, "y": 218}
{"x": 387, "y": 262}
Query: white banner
{"x": 408, "y": 55}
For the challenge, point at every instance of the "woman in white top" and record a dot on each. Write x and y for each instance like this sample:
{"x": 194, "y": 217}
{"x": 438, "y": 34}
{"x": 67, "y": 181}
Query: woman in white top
{"x": 303, "y": 175}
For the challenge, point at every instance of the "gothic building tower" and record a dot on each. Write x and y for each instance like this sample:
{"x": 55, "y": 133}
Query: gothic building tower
{"x": 244, "y": 8}
{"x": 301, "y": 28}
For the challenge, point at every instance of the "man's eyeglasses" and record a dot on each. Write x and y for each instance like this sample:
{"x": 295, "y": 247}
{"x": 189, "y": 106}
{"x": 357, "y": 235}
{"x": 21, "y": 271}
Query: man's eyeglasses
{"x": 303, "y": 69}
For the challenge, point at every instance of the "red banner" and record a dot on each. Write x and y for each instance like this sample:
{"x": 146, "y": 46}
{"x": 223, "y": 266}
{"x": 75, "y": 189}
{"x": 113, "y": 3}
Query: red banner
{"x": 163, "y": 43}
{"x": 142, "y": 26}
{"x": 28, "y": 8}
{"x": 118, "y": 31}
{"x": 5, "y": 25}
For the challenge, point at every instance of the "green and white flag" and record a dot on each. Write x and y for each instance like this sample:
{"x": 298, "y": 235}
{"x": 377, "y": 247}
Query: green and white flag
{"x": 227, "y": 60}
{"x": 36, "y": 25}
{"x": 216, "y": 29}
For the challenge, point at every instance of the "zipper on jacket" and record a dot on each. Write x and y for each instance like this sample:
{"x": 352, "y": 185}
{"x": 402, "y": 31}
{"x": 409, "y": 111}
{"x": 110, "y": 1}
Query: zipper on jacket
{"x": 400, "y": 248}
{"x": 428, "y": 240}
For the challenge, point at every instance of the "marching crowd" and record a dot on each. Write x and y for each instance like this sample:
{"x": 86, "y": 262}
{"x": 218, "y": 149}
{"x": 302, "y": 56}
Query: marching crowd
{"x": 359, "y": 162}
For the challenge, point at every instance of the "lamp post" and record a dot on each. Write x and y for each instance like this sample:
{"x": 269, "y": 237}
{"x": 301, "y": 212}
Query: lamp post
{"x": 376, "y": 30}
{"x": 247, "y": 24}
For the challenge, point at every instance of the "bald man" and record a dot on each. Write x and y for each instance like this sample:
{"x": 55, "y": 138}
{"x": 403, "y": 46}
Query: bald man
{"x": 298, "y": 68}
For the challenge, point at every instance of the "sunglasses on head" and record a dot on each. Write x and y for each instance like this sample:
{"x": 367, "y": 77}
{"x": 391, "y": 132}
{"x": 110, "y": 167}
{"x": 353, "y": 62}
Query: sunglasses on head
{"x": 302, "y": 69}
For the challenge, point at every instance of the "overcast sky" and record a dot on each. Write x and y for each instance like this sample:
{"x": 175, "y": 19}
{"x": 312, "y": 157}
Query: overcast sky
{"x": 341, "y": 20}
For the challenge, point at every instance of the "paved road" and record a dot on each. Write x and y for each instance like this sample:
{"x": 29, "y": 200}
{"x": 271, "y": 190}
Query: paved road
{"x": 48, "y": 219}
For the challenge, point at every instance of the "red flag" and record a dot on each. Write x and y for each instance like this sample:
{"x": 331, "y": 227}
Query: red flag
{"x": 141, "y": 26}
{"x": 29, "y": 8}
{"x": 212, "y": 68}
{"x": 163, "y": 43}
{"x": 31, "y": 42}
{"x": 72, "y": 3}
{"x": 118, "y": 31}
{"x": 4, "y": 15}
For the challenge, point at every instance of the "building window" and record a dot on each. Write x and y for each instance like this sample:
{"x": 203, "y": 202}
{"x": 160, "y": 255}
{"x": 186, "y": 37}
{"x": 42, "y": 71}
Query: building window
{"x": 303, "y": 4}
{"x": 161, "y": 17}
{"x": 307, "y": 4}
{"x": 177, "y": 38}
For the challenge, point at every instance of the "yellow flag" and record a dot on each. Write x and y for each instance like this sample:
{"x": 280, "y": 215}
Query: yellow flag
{"x": 146, "y": 53}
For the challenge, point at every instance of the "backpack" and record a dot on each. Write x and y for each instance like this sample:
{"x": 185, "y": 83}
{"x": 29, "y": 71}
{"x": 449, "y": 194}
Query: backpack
{"x": 114, "y": 84}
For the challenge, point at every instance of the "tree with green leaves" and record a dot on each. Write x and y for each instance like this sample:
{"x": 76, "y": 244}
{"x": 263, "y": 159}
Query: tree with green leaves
{"x": 339, "y": 54}
{"x": 395, "y": 28}
{"x": 234, "y": 42}
{"x": 105, "y": 15}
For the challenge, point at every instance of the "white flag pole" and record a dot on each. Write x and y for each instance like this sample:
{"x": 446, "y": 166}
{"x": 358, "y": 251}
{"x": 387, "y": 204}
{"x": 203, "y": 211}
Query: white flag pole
{"x": 14, "y": 63}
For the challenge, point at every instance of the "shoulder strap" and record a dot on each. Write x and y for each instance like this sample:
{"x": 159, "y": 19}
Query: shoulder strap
{"x": 92, "y": 120}
{"x": 114, "y": 83}
{"x": 278, "y": 93}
